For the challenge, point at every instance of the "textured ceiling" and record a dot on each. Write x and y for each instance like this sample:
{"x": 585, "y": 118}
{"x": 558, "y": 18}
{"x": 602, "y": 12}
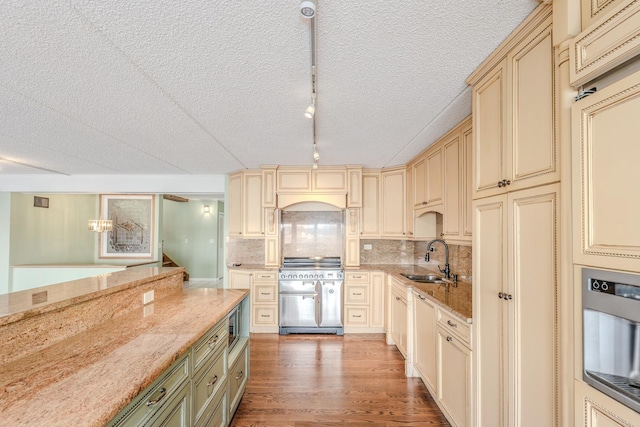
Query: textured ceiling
{"x": 208, "y": 87}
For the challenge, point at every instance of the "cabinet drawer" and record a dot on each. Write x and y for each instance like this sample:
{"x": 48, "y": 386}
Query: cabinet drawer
{"x": 356, "y": 277}
{"x": 237, "y": 378}
{"x": 265, "y": 315}
{"x": 356, "y": 316}
{"x": 177, "y": 412}
{"x": 265, "y": 276}
{"x": 357, "y": 294}
{"x": 265, "y": 294}
{"x": 455, "y": 326}
{"x": 210, "y": 384}
{"x": 210, "y": 343}
{"x": 216, "y": 413}
{"x": 156, "y": 397}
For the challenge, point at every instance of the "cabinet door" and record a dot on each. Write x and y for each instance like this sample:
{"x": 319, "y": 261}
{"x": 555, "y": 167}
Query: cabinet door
{"x": 489, "y": 310}
{"x": 605, "y": 169}
{"x": 434, "y": 177}
{"x": 235, "y": 205}
{"x": 451, "y": 220}
{"x": 240, "y": 279}
{"x": 253, "y": 224}
{"x": 370, "y": 215}
{"x": 425, "y": 341}
{"x": 377, "y": 299}
{"x": 467, "y": 183}
{"x": 593, "y": 10}
{"x": 454, "y": 375}
{"x": 399, "y": 323}
{"x": 393, "y": 203}
{"x": 532, "y": 151}
{"x": 419, "y": 178}
{"x": 533, "y": 215}
{"x": 489, "y": 103}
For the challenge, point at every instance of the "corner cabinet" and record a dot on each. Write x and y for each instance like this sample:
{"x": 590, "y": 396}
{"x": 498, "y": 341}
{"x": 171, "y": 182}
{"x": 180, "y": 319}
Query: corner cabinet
{"x": 513, "y": 112}
{"x": 515, "y": 315}
{"x": 246, "y": 214}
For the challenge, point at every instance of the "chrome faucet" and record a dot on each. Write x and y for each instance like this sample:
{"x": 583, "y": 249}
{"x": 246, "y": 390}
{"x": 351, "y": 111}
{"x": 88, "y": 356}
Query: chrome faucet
{"x": 446, "y": 270}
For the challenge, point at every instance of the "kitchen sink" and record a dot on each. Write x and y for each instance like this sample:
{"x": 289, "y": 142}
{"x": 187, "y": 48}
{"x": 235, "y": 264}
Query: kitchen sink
{"x": 423, "y": 278}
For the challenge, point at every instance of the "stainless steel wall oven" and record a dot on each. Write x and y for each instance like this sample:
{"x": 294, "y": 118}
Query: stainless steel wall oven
{"x": 611, "y": 334}
{"x": 235, "y": 325}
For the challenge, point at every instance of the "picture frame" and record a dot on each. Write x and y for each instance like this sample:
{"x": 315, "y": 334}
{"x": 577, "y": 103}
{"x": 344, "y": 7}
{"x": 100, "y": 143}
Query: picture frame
{"x": 132, "y": 235}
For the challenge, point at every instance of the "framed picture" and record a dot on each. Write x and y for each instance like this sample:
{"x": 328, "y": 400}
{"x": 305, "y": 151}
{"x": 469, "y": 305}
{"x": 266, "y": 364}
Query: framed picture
{"x": 132, "y": 232}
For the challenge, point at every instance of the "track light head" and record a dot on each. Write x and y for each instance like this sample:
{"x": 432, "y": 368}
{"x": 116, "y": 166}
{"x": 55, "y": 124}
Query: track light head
{"x": 310, "y": 111}
{"x": 308, "y": 8}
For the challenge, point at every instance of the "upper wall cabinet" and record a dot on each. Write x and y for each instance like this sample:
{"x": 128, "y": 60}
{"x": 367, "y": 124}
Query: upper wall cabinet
{"x": 457, "y": 212}
{"x": 513, "y": 112}
{"x": 383, "y": 203}
{"x": 605, "y": 129}
{"x": 593, "y": 11}
{"x": 611, "y": 37}
{"x": 426, "y": 178}
{"x": 325, "y": 180}
{"x": 245, "y": 204}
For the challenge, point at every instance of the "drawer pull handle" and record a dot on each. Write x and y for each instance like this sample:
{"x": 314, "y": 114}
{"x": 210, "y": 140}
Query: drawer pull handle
{"x": 265, "y": 293}
{"x": 422, "y": 298}
{"x": 450, "y": 323}
{"x": 240, "y": 375}
{"x": 357, "y": 293}
{"x": 397, "y": 298}
{"x": 265, "y": 315}
{"x": 357, "y": 277}
{"x": 214, "y": 380}
{"x": 449, "y": 339}
{"x": 212, "y": 342}
{"x": 357, "y": 315}
{"x": 163, "y": 393}
{"x": 265, "y": 277}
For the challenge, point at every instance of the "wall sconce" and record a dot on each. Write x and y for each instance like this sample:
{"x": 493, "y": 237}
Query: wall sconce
{"x": 206, "y": 209}
{"x": 100, "y": 225}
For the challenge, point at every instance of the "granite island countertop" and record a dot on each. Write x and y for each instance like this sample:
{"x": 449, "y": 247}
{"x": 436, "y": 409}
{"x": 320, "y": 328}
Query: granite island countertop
{"x": 88, "y": 378}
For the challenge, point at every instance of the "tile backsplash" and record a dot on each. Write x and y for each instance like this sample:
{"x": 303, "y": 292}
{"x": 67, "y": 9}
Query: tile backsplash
{"x": 412, "y": 252}
{"x": 245, "y": 251}
{"x": 312, "y": 233}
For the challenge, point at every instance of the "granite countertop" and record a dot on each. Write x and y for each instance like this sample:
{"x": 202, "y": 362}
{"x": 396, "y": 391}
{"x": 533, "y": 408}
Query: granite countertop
{"x": 89, "y": 378}
{"x": 16, "y": 306}
{"x": 454, "y": 297}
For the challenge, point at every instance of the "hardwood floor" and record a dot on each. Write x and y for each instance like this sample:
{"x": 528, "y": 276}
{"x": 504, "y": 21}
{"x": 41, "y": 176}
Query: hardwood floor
{"x": 328, "y": 380}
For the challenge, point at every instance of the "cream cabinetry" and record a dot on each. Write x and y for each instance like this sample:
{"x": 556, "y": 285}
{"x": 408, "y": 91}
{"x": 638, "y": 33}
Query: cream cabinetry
{"x": 364, "y": 302}
{"x": 594, "y": 409}
{"x": 354, "y": 185}
{"x": 513, "y": 111}
{"x": 454, "y": 369}
{"x": 245, "y": 204}
{"x": 352, "y": 238}
{"x": 264, "y": 302}
{"x": 393, "y": 202}
{"x": 594, "y": 10}
{"x": 610, "y": 36}
{"x": 370, "y": 215}
{"x": 383, "y": 203}
{"x": 427, "y": 180}
{"x": 240, "y": 279}
{"x": 425, "y": 341}
{"x": 456, "y": 152}
{"x": 398, "y": 316}
{"x": 605, "y": 152}
{"x": 238, "y": 373}
{"x": 322, "y": 180}
{"x": 514, "y": 308}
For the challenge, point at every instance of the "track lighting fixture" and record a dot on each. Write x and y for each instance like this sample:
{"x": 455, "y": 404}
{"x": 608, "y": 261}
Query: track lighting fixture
{"x": 308, "y": 8}
{"x": 316, "y": 155}
{"x": 310, "y": 111}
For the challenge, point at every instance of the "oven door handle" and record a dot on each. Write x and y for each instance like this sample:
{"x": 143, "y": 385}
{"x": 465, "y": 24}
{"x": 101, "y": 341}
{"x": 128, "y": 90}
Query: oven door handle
{"x": 318, "y": 308}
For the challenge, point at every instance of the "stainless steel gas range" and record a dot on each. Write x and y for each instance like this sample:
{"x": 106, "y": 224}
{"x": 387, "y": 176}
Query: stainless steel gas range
{"x": 310, "y": 292}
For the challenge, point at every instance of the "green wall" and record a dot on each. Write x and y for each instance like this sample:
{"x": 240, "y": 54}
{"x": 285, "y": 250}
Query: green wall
{"x": 5, "y": 235}
{"x": 54, "y": 235}
{"x": 191, "y": 236}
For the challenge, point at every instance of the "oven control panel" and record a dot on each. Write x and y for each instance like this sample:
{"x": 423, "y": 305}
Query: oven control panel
{"x": 310, "y": 274}
{"x": 614, "y": 288}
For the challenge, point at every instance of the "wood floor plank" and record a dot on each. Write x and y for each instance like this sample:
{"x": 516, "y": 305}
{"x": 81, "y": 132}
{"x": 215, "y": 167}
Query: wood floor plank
{"x": 328, "y": 380}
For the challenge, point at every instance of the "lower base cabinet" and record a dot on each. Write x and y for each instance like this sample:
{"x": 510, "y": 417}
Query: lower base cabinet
{"x": 442, "y": 358}
{"x": 398, "y": 316}
{"x": 238, "y": 373}
{"x": 594, "y": 409}
{"x": 177, "y": 413}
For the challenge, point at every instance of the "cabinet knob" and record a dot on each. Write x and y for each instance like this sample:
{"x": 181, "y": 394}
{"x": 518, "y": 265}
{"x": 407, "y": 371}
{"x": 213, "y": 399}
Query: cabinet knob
{"x": 500, "y": 295}
{"x": 449, "y": 339}
{"x": 500, "y": 184}
{"x": 508, "y": 296}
